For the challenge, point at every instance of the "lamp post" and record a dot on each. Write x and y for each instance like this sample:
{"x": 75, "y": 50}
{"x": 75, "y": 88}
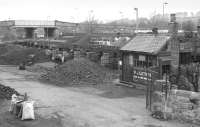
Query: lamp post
{"x": 121, "y": 16}
{"x": 48, "y": 32}
{"x": 91, "y": 18}
{"x": 136, "y": 10}
{"x": 77, "y": 15}
{"x": 165, "y": 3}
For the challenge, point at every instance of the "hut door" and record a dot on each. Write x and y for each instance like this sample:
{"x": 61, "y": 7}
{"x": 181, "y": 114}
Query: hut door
{"x": 127, "y": 69}
{"x": 165, "y": 69}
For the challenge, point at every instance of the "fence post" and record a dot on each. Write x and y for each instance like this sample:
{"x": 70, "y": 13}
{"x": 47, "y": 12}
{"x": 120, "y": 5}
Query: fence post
{"x": 147, "y": 93}
{"x": 166, "y": 87}
{"x": 151, "y": 84}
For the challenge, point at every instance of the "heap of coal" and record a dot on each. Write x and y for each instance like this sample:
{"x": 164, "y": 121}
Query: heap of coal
{"x": 6, "y": 92}
{"x": 14, "y": 54}
{"x": 5, "y": 48}
{"x": 78, "y": 71}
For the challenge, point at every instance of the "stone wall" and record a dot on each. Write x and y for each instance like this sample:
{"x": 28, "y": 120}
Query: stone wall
{"x": 184, "y": 106}
{"x": 179, "y": 104}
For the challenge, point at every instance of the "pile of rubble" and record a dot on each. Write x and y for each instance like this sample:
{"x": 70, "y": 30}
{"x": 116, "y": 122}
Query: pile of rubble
{"x": 7, "y": 92}
{"x": 78, "y": 71}
{"x": 14, "y": 55}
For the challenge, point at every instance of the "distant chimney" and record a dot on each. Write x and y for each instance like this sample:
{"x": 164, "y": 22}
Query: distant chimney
{"x": 173, "y": 25}
{"x": 172, "y": 17}
{"x": 155, "y": 30}
{"x": 198, "y": 31}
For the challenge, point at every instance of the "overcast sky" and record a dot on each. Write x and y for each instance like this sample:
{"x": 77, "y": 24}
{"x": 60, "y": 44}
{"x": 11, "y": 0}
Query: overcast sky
{"x": 78, "y": 10}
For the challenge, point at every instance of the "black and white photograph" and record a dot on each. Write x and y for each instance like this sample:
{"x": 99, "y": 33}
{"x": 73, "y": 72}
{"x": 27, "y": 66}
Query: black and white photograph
{"x": 99, "y": 63}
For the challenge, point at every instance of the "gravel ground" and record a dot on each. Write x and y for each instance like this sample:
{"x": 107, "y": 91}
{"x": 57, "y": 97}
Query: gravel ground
{"x": 85, "y": 106}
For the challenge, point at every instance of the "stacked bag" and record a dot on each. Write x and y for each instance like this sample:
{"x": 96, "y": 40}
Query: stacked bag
{"x": 22, "y": 108}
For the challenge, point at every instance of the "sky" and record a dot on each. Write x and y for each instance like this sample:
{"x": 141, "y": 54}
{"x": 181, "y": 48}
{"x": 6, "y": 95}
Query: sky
{"x": 79, "y": 10}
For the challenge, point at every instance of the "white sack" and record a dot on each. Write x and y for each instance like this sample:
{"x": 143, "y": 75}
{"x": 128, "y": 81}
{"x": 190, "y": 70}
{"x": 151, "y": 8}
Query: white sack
{"x": 28, "y": 110}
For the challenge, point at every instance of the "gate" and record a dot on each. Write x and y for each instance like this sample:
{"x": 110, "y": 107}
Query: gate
{"x": 157, "y": 84}
{"x": 152, "y": 76}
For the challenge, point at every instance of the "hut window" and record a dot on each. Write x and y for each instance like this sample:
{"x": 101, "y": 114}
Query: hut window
{"x": 142, "y": 58}
{"x": 130, "y": 59}
{"x": 142, "y": 61}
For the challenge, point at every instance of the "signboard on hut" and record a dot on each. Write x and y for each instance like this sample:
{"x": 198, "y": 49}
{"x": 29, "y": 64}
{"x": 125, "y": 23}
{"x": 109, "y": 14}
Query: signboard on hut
{"x": 144, "y": 76}
{"x": 141, "y": 75}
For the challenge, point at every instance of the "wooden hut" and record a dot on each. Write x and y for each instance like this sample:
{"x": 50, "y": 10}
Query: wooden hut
{"x": 142, "y": 53}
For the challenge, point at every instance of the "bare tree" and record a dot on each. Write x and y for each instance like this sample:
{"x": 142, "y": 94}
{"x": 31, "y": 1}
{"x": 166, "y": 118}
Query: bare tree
{"x": 158, "y": 21}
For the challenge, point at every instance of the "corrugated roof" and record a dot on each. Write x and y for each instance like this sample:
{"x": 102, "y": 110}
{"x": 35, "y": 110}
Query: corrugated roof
{"x": 146, "y": 43}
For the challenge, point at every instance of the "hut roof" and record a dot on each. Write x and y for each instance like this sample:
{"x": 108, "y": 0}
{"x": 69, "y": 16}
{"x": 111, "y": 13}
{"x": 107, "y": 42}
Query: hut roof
{"x": 146, "y": 43}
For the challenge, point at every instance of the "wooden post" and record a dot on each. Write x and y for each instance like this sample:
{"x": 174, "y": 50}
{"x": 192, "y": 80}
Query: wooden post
{"x": 122, "y": 67}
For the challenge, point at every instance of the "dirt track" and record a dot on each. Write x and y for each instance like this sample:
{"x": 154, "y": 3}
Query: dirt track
{"x": 84, "y": 106}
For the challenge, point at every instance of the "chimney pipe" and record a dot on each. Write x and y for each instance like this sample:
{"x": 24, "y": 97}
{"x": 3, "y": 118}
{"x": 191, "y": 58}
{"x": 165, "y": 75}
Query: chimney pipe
{"x": 198, "y": 30}
{"x": 155, "y": 30}
{"x": 172, "y": 17}
{"x": 173, "y": 25}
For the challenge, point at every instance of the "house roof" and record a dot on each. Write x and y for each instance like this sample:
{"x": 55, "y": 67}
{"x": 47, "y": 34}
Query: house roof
{"x": 146, "y": 43}
{"x": 121, "y": 42}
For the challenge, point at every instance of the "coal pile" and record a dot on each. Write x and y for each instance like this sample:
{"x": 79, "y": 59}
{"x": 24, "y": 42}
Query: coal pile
{"x": 78, "y": 71}
{"x": 14, "y": 55}
{"x": 6, "y": 92}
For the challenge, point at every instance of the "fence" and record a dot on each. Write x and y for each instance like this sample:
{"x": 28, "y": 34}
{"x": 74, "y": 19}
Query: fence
{"x": 157, "y": 93}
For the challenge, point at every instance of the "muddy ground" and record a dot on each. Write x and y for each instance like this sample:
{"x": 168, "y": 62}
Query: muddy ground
{"x": 105, "y": 105}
